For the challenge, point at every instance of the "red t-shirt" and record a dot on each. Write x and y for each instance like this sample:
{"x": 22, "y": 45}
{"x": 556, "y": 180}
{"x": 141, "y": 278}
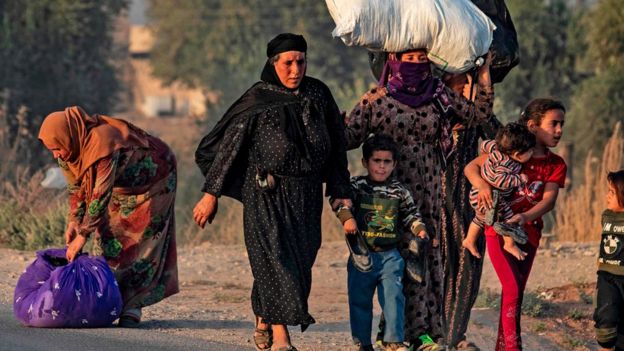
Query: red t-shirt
{"x": 549, "y": 168}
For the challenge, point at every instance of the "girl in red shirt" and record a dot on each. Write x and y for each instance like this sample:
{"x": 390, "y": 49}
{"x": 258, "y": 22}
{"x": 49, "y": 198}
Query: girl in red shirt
{"x": 546, "y": 175}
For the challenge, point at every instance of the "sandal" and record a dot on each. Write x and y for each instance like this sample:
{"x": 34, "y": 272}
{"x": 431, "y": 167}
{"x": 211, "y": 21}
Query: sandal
{"x": 393, "y": 346}
{"x": 517, "y": 233}
{"x": 491, "y": 214}
{"x": 467, "y": 346}
{"x": 287, "y": 348}
{"x": 360, "y": 347}
{"x": 263, "y": 338}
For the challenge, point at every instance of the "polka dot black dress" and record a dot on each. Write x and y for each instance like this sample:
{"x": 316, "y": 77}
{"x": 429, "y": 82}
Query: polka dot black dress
{"x": 300, "y": 143}
{"x": 462, "y": 270}
{"x": 419, "y": 134}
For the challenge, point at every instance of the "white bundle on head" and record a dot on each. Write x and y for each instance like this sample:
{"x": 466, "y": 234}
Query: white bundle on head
{"x": 454, "y": 32}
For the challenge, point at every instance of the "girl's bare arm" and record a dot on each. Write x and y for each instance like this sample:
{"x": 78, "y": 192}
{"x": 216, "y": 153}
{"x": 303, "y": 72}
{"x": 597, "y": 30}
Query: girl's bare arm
{"x": 551, "y": 191}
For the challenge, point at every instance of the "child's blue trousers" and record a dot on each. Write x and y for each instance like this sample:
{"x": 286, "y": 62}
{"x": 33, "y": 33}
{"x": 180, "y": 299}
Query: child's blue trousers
{"x": 386, "y": 276}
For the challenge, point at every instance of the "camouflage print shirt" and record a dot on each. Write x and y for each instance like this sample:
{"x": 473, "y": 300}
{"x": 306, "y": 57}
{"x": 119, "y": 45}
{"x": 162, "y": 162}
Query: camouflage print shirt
{"x": 384, "y": 211}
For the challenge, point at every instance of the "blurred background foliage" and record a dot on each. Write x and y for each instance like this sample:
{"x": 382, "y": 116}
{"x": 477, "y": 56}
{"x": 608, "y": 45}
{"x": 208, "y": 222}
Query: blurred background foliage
{"x": 57, "y": 53}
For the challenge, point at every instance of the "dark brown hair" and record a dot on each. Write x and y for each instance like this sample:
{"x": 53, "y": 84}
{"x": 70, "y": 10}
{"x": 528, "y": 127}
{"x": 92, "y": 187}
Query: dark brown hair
{"x": 537, "y": 108}
{"x": 617, "y": 180}
{"x": 379, "y": 142}
{"x": 514, "y": 137}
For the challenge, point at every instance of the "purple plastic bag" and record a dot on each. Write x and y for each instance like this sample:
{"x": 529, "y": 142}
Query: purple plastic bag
{"x": 54, "y": 293}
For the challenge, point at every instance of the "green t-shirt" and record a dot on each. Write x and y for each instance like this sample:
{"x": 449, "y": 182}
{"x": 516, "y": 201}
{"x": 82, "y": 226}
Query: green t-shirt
{"x": 377, "y": 218}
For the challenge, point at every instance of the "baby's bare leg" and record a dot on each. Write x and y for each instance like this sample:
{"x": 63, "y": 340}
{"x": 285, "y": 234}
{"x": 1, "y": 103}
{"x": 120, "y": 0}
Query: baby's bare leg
{"x": 470, "y": 243}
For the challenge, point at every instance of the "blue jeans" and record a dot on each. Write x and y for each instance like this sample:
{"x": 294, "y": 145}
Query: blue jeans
{"x": 386, "y": 277}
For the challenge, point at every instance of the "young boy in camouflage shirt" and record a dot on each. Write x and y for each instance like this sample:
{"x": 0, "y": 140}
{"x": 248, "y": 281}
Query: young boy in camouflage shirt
{"x": 383, "y": 209}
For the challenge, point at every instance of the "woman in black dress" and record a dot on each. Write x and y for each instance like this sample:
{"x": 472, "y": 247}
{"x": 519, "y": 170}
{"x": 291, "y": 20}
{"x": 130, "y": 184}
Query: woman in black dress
{"x": 273, "y": 149}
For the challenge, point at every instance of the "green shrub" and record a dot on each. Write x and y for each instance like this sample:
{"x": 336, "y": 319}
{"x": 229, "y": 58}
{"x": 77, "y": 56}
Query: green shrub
{"x": 576, "y": 314}
{"x": 572, "y": 341}
{"x": 487, "y": 299}
{"x": 534, "y": 306}
{"x": 539, "y": 327}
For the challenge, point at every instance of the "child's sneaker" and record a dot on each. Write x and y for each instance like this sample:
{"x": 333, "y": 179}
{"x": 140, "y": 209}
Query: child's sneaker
{"x": 516, "y": 232}
{"x": 427, "y": 344}
{"x": 490, "y": 215}
{"x": 360, "y": 347}
{"x": 378, "y": 346}
{"x": 394, "y": 346}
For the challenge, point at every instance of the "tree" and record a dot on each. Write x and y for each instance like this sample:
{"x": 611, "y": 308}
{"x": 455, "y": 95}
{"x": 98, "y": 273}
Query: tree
{"x": 598, "y": 102}
{"x": 56, "y": 53}
{"x": 220, "y": 45}
{"x": 546, "y": 63}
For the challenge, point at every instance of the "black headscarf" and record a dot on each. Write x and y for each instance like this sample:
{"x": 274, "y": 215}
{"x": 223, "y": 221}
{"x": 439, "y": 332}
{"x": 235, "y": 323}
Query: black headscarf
{"x": 291, "y": 107}
{"x": 281, "y": 43}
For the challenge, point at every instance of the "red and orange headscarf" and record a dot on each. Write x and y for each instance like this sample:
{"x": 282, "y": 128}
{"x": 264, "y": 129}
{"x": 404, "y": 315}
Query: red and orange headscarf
{"x": 88, "y": 138}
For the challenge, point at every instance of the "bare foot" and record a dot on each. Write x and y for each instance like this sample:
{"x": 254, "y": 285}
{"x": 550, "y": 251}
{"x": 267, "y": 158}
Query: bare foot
{"x": 471, "y": 246}
{"x": 515, "y": 251}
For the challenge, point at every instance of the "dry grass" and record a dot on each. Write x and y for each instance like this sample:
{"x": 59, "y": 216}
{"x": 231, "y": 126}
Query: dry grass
{"x": 31, "y": 217}
{"x": 578, "y": 211}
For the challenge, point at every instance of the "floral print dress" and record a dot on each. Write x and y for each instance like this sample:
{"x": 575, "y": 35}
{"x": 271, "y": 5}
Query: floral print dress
{"x": 420, "y": 135}
{"x": 131, "y": 213}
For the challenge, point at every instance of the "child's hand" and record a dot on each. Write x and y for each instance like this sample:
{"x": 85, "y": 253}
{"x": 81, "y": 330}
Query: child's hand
{"x": 518, "y": 218}
{"x": 341, "y": 202}
{"x": 423, "y": 235}
{"x": 350, "y": 226}
{"x": 524, "y": 178}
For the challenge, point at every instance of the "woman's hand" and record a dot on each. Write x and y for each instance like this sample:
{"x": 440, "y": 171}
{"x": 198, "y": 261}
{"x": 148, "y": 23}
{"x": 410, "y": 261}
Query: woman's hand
{"x": 71, "y": 232}
{"x": 484, "y": 79}
{"x": 205, "y": 210}
{"x": 75, "y": 247}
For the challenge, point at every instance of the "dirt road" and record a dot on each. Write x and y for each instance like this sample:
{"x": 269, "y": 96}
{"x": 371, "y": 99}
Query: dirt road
{"x": 213, "y": 305}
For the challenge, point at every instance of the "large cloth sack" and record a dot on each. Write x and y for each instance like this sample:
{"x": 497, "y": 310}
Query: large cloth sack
{"x": 454, "y": 32}
{"x": 52, "y": 293}
{"x": 505, "y": 51}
